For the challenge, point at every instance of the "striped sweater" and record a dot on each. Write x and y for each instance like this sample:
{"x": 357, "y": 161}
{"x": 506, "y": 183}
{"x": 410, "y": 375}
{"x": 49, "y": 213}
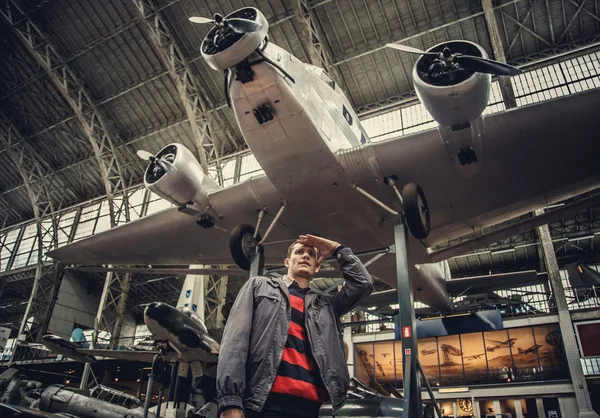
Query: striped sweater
{"x": 298, "y": 387}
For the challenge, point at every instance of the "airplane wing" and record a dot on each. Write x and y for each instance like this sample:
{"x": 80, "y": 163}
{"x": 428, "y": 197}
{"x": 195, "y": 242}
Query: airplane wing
{"x": 171, "y": 237}
{"x": 532, "y": 156}
{"x": 143, "y": 356}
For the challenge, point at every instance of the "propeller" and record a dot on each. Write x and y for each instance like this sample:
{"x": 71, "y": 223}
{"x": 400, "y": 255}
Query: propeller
{"x": 410, "y": 49}
{"x": 469, "y": 62}
{"x": 163, "y": 163}
{"x": 237, "y": 24}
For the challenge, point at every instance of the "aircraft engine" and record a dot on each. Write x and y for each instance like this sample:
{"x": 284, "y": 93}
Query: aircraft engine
{"x": 61, "y": 399}
{"x": 180, "y": 180}
{"x": 232, "y": 39}
{"x": 453, "y": 96}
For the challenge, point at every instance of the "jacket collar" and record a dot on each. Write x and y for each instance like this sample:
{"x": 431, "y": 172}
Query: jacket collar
{"x": 288, "y": 281}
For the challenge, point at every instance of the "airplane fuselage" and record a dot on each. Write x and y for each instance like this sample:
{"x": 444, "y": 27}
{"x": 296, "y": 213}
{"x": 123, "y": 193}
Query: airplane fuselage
{"x": 179, "y": 329}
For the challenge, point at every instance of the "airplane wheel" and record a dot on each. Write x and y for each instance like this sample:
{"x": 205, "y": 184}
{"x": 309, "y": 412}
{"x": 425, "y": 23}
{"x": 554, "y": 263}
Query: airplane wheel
{"x": 242, "y": 245}
{"x": 416, "y": 211}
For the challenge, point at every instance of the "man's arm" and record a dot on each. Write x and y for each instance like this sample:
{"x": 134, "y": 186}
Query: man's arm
{"x": 231, "y": 366}
{"x": 359, "y": 283}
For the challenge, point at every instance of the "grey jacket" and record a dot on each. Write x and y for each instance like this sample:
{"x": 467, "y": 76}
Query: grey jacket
{"x": 257, "y": 328}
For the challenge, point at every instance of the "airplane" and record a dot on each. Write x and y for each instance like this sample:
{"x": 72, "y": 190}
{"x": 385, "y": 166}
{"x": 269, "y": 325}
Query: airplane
{"x": 385, "y": 355}
{"x": 428, "y": 352}
{"x": 179, "y": 336}
{"x": 474, "y": 357}
{"x": 324, "y": 176}
{"x": 531, "y": 350}
{"x": 584, "y": 280}
{"x": 501, "y": 344}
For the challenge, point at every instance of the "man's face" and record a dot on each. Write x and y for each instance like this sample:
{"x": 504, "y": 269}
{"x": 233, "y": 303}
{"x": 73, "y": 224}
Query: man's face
{"x": 302, "y": 262}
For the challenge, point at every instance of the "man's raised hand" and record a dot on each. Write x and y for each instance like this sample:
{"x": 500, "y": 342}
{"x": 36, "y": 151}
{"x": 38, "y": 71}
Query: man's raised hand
{"x": 325, "y": 246}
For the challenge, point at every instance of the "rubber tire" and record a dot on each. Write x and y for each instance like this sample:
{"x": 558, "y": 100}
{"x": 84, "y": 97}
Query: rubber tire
{"x": 412, "y": 211}
{"x": 235, "y": 245}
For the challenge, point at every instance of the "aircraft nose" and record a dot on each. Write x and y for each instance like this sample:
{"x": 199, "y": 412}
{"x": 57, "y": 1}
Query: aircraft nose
{"x": 156, "y": 310}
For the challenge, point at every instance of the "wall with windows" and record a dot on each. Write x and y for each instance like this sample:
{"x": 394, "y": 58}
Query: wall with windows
{"x": 524, "y": 354}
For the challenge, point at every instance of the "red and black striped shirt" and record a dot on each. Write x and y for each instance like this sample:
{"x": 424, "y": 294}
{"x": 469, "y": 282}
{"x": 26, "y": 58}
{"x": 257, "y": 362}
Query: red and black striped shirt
{"x": 298, "y": 387}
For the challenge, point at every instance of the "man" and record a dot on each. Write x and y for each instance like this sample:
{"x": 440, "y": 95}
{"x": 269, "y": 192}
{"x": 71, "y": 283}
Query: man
{"x": 282, "y": 353}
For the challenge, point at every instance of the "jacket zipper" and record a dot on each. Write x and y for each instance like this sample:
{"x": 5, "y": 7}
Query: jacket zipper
{"x": 312, "y": 348}
{"x": 288, "y": 309}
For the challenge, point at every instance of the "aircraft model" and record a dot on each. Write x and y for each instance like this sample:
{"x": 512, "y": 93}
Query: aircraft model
{"x": 474, "y": 357}
{"x": 531, "y": 350}
{"x": 179, "y": 334}
{"x": 322, "y": 174}
{"x": 584, "y": 280}
{"x": 501, "y": 344}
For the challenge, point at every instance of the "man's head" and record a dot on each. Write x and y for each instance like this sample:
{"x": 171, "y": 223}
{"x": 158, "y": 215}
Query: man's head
{"x": 302, "y": 261}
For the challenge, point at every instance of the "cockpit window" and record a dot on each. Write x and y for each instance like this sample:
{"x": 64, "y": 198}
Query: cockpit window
{"x": 194, "y": 316}
{"x": 325, "y": 77}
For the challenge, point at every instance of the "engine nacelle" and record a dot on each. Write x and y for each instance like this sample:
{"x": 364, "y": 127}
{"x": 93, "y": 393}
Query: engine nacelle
{"x": 186, "y": 184}
{"x": 223, "y": 55}
{"x": 458, "y": 101}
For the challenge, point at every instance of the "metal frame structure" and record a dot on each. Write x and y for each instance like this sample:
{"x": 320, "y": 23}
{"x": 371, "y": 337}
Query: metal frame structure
{"x": 567, "y": 331}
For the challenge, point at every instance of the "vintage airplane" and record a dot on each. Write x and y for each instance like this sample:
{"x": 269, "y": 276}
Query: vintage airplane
{"x": 179, "y": 336}
{"x": 531, "y": 350}
{"x": 429, "y": 352}
{"x": 322, "y": 175}
{"x": 501, "y": 344}
{"x": 584, "y": 281}
{"x": 474, "y": 357}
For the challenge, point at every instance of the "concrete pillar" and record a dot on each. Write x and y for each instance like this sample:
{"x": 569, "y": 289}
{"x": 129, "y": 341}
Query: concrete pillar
{"x": 566, "y": 326}
{"x": 455, "y": 408}
{"x": 506, "y": 88}
{"x": 497, "y": 410}
{"x": 476, "y": 409}
{"x": 540, "y": 407}
{"x": 518, "y": 408}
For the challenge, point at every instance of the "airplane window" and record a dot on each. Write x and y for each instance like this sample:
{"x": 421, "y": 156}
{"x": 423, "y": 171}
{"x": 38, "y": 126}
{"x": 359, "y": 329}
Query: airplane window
{"x": 347, "y": 115}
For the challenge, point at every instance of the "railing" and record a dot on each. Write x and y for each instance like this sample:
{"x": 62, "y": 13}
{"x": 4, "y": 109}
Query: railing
{"x": 583, "y": 297}
{"x": 34, "y": 354}
{"x": 591, "y": 366}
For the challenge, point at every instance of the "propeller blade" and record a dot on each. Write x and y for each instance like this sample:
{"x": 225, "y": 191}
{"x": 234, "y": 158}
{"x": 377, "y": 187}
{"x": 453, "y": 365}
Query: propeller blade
{"x": 167, "y": 166}
{"x": 243, "y": 25}
{"x": 144, "y": 155}
{"x": 406, "y": 48}
{"x": 484, "y": 65}
{"x": 198, "y": 19}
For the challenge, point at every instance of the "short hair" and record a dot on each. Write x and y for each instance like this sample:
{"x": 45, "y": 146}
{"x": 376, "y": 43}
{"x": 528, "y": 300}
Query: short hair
{"x": 291, "y": 247}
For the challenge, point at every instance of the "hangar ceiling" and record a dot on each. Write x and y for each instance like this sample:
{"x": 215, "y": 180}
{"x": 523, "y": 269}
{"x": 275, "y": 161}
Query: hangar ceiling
{"x": 84, "y": 85}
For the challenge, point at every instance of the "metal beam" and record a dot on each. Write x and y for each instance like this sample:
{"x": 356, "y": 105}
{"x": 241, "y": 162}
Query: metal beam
{"x": 419, "y": 34}
{"x": 70, "y": 87}
{"x": 39, "y": 191}
{"x": 506, "y": 88}
{"x": 564, "y": 321}
{"x": 191, "y": 91}
{"x": 523, "y": 226}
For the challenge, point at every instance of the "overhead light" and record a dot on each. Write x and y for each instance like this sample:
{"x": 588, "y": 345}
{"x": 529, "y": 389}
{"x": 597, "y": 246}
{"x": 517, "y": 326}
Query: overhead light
{"x": 453, "y": 390}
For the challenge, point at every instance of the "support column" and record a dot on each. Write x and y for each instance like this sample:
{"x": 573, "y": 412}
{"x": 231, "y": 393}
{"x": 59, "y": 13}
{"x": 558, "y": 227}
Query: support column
{"x": 518, "y": 408}
{"x": 506, "y": 88}
{"x": 540, "y": 408}
{"x": 566, "y": 326}
{"x": 412, "y": 380}
{"x": 214, "y": 299}
{"x": 455, "y": 408}
{"x": 497, "y": 408}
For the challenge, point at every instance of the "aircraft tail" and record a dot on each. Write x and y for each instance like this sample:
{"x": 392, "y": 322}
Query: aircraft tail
{"x": 581, "y": 275}
{"x": 192, "y": 293}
